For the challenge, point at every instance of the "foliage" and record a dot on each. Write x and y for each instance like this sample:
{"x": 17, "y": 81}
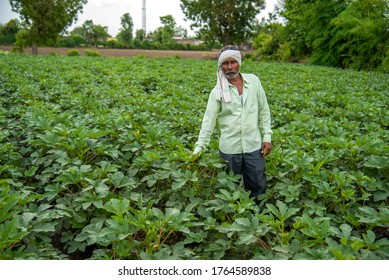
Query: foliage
{"x": 140, "y": 34}
{"x": 226, "y": 21}
{"x": 72, "y": 41}
{"x": 164, "y": 35}
{"x": 347, "y": 34}
{"x": 22, "y": 41}
{"x": 93, "y": 34}
{"x": 73, "y": 53}
{"x": 385, "y": 63}
{"x": 8, "y": 32}
{"x": 125, "y": 35}
{"x": 92, "y": 53}
{"x": 271, "y": 42}
{"x": 307, "y": 22}
{"x": 97, "y": 163}
{"x": 359, "y": 36}
{"x": 46, "y": 19}
{"x": 90, "y": 34}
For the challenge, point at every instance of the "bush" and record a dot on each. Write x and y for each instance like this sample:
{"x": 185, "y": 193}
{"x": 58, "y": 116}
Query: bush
{"x": 22, "y": 41}
{"x": 73, "y": 53}
{"x": 73, "y": 41}
{"x": 141, "y": 56}
{"x": 92, "y": 53}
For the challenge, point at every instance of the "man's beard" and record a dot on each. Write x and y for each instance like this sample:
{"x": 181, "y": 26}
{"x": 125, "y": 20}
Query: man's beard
{"x": 232, "y": 74}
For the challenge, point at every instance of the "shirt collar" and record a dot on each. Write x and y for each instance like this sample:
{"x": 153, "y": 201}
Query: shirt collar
{"x": 245, "y": 80}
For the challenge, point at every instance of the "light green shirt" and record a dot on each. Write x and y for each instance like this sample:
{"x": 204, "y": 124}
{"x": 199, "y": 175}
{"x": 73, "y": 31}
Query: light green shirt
{"x": 244, "y": 122}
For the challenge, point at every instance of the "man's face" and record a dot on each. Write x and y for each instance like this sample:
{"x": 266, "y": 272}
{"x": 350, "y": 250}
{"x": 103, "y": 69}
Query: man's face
{"x": 230, "y": 68}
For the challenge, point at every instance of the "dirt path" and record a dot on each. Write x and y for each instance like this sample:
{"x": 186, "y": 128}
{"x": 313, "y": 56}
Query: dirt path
{"x": 128, "y": 52}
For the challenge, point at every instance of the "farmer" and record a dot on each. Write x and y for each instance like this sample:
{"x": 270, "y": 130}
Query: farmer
{"x": 238, "y": 102}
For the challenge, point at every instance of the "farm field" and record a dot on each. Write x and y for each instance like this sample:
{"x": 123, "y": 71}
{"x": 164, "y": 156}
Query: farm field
{"x": 96, "y": 163}
{"x": 124, "y": 52}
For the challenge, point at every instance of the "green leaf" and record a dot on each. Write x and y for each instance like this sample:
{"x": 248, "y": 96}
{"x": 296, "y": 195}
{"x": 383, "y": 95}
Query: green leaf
{"x": 283, "y": 212}
{"x": 6, "y": 206}
{"x": 178, "y": 184}
{"x": 117, "y": 206}
{"x": 369, "y": 237}
{"x": 357, "y": 244}
{"x": 44, "y": 227}
{"x": 119, "y": 180}
{"x": 101, "y": 188}
{"x": 11, "y": 232}
{"x": 243, "y": 222}
{"x": 378, "y": 162}
{"x": 91, "y": 233}
{"x": 246, "y": 238}
{"x": 31, "y": 172}
{"x": 27, "y": 217}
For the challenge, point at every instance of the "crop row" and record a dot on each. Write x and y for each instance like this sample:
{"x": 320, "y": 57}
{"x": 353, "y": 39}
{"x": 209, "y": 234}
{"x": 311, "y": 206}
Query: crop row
{"x": 97, "y": 163}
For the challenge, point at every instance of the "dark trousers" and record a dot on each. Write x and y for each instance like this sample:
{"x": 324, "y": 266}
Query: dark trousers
{"x": 252, "y": 167}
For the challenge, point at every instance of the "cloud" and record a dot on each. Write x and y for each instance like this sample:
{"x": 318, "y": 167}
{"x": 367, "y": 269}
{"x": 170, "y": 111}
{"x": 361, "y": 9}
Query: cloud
{"x": 107, "y": 3}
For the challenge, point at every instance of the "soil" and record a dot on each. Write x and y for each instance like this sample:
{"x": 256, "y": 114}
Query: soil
{"x": 127, "y": 52}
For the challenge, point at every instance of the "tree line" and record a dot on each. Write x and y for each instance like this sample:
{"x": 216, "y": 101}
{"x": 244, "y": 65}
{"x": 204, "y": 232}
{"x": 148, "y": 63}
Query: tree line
{"x": 90, "y": 34}
{"x": 338, "y": 33}
{"x": 21, "y": 35}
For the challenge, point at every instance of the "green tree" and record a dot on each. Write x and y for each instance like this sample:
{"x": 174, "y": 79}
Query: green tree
{"x": 307, "y": 21}
{"x": 100, "y": 35}
{"x": 168, "y": 22}
{"x": 271, "y": 42}
{"x": 180, "y": 31}
{"x": 140, "y": 34}
{"x": 225, "y": 21}
{"x": 359, "y": 36}
{"x": 74, "y": 40}
{"x": 8, "y": 32}
{"x": 340, "y": 33}
{"x": 93, "y": 34}
{"x": 46, "y": 19}
{"x": 87, "y": 30}
{"x": 125, "y": 35}
{"x": 79, "y": 30}
{"x": 168, "y": 29}
{"x": 163, "y": 35}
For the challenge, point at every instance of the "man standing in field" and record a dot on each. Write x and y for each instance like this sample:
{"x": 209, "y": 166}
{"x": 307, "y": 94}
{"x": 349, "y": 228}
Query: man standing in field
{"x": 238, "y": 102}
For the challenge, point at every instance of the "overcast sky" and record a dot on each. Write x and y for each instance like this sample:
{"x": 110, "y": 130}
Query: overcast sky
{"x": 108, "y": 13}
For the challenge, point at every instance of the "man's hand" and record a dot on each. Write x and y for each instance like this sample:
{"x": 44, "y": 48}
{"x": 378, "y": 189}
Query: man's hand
{"x": 196, "y": 154}
{"x": 266, "y": 148}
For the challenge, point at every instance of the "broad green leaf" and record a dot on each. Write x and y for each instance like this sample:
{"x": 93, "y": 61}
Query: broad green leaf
{"x": 44, "y": 227}
{"x": 178, "y": 184}
{"x": 92, "y": 232}
{"x": 377, "y": 162}
{"x": 117, "y": 206}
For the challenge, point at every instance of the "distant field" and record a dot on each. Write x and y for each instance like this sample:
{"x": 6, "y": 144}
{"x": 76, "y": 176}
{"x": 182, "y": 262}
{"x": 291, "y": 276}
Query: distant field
{"x": 96, "y": 162}
{"x": 128, "y": 52}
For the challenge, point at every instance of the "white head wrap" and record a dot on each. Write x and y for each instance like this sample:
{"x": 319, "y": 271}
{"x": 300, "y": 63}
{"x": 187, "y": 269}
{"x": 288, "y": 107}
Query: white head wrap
{"x": 223, "y": 90}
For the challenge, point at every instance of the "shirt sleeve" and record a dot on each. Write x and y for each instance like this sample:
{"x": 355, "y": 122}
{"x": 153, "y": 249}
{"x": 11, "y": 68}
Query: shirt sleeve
{"x": 209, "y": 122}
{"x": 264, "y": 115}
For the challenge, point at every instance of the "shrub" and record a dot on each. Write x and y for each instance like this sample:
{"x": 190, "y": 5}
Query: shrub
{"x": 92, "y": 53}
{"x": 141, "y": 56}
{"x": 73, "y": 53}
